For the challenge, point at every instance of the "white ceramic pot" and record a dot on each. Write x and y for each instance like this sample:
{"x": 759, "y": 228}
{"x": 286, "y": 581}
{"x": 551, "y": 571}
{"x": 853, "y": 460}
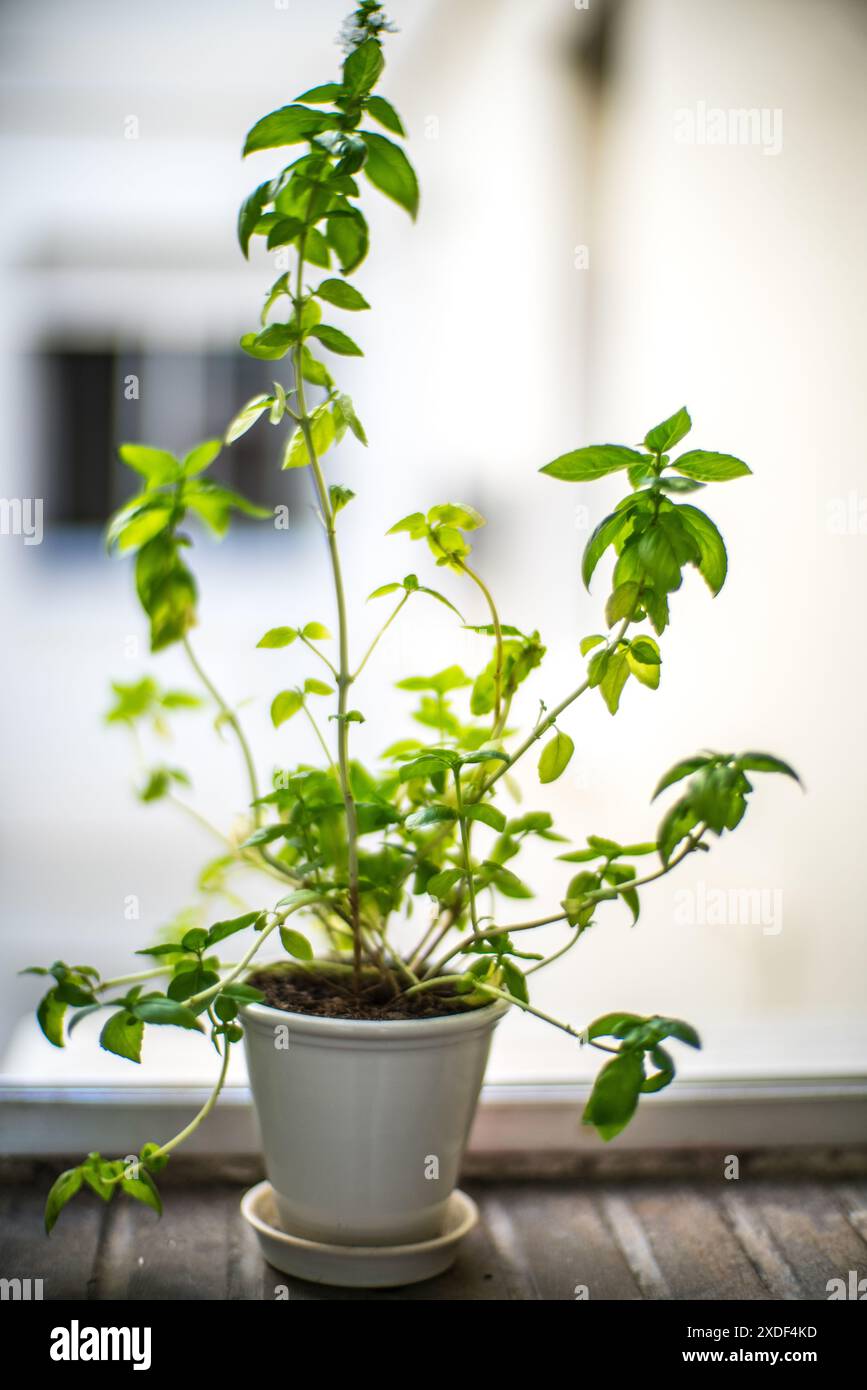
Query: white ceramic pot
{"x": 363, "y": 1123}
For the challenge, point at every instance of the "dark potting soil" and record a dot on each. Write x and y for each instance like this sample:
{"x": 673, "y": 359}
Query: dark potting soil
{"x": 302, "y": 992}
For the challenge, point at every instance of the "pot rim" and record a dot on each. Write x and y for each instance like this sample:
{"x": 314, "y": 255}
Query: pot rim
{"x": 264, "y": 1016}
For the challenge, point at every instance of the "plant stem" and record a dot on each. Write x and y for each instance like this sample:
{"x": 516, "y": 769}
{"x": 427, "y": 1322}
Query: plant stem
{"x": 316, "y": 652}
{"x": 239, "y": 969}
{"x": 344, "y": 677}
{"x": 319, "y": 735}
{"x": 465, "y": 842}
{"x": 134, "y": 979}
{"x": 203, "y": 1114}
{"x": 235, "y": 724}
{"x": 530, "y": 1009}
{"x": 386, "y": 625}
{"x": 550, "y": 719}
{"x": 432, "y": 983}
{"x": 601, "y": 893}
{"x": 498, "y": 636}
{"x": 493, "y": 930}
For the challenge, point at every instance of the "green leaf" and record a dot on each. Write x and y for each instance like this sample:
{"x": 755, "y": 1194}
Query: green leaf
{"x": 415, "y": 524}
{"x": 670, "y": 432}
{"x": 278, "y": 637}
{"x": 610, "y": 531}
{"x": 623, "y": 603}
{"x": 123, "y": 1035}
{"x": 283, "y": 232}
{"x": 363, "y": 67}
{"x": 555, "y": 757}
{"x": 713, "y": 562}
{"x": 515, "y": 981}
{"x": 200, "y": 458}
{"x": 271, "y": 344}
{"x": 247, "y": 417}
{"x": 284, "y": 705}
{"x": 315, "y": 632}
{"x": 220, "y": 930}
{"x": 659, "y": 554}
{"x": 615, "y": 677}
{"x": 484, "y": 755}
{"x": 675, "y": 485}
{"x": 613, "y": 1025}
{"x": 50, "y": 1013}
{"x": 196, "y": 939}
{"x": 429, "y": 815}
{"x": 422, "y": 768}
{"x": 505, "y": 881}
{"x": 62, "y": 1190}
{"x": 343, "y": 295}
{"x": 295, "y": 944}
{"x": 322, "y": 434}
{"x": 707, "y": 467}
{"x": 643, "y": 659}
{"x": 163, "y": 1011}
{"x": 615, "y": 1093}
{"x": 336, "y": 341}
{"x": 340, "y": 497}
{"x": 451, "y": 678}
{"x": 250, "y": 213}
{"x": 312, "y": 686}
{"x": 488, "y": 815}
{"x": 138, "y": 522}
{"x": 588, "y": 643}
{"x": 143, "y": 1189}
{"x": 288, "y": 126}
{"x": 350, "y": 239}
{"x": 156, "y": 465}
{"x": 383, "y": 112}
{"x": 766, "y": 762}
{"x": 301, "y": 897}
{"x": 242, "y": 994}
{"x": 676, "y": 825}
{"x": 440, "y": 885}
{"x": 685, "y": 768}
{"x": 585, "y": 465}
{"x": 151, "y": 1157}
{"x": 265, "y": 835}
{"x": 96, "y": 1174}
{"x": 324, "y": 94}
{"x": 664, "y": 1074}
{"x": 455, "y": 514}
{"x": 389, "y": 170}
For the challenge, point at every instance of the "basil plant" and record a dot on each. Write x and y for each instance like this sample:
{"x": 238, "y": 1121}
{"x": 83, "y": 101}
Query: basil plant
{"x": 428, "y": 831}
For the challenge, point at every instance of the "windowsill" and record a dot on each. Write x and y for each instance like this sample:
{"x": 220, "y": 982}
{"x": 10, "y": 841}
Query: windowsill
{"x": 92, "y": 1101}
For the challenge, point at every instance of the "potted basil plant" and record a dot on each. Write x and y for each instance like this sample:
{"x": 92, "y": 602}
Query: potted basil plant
{"x": 366, "y": 1054}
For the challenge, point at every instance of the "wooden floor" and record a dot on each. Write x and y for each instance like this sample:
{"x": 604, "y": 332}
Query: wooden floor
{"x": 781, "y": 1231}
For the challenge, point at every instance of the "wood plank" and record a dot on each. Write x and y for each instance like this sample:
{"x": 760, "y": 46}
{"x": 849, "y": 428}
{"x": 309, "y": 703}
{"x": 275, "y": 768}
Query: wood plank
{"x": 247, "y": 1269}
{"x": 64, "y": 1260}
{"x": 853, "y": 1200}
{"x": 810, "y": 1230}
{"x": 693, "y": 1244}
{"x": 627, "y": 1230}
{"x": 184, "y": 1257}
{"x": 755, "y": 1238}
{"x": 557, "y": 1244}
{"x": 751, "y": 1231}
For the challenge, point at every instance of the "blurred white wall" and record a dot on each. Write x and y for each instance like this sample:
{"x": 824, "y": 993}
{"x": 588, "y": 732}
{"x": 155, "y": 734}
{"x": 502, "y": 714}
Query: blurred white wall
{"x": 718, "y": 276}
